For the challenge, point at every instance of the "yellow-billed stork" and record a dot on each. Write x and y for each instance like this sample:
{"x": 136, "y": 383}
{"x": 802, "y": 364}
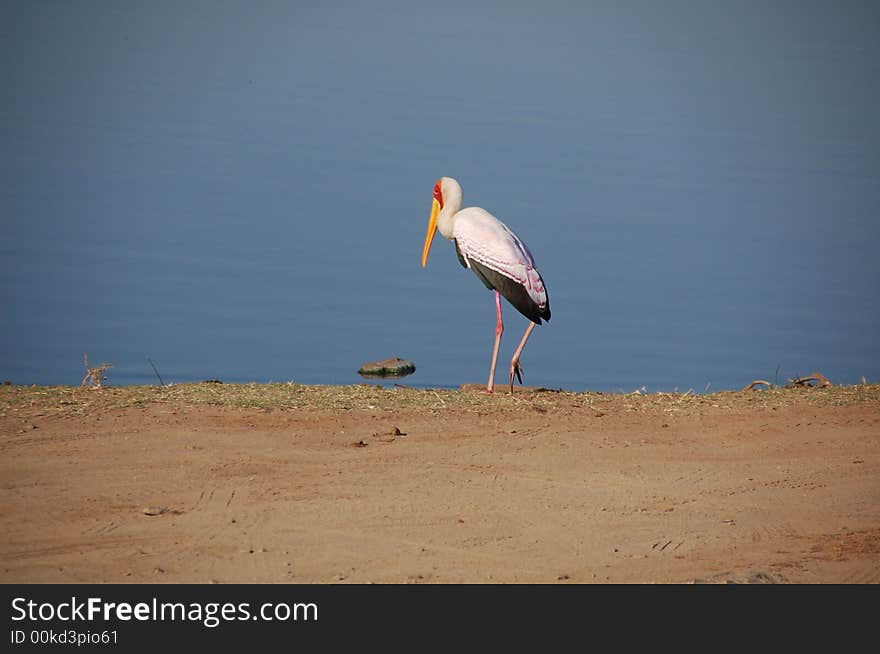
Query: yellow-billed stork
{"x": 498, "y": 258}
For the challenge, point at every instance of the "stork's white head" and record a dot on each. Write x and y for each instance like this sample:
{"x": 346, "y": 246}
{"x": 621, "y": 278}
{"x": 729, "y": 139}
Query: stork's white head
{"x": 447, "y": 201}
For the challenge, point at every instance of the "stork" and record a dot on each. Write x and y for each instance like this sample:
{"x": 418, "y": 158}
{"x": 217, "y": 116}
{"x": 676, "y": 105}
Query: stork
{"x": 497, "y": 257}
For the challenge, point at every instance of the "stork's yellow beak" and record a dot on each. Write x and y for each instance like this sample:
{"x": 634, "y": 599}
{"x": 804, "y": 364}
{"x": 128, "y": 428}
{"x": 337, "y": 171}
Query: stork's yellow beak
{"x": 432, "y": 229}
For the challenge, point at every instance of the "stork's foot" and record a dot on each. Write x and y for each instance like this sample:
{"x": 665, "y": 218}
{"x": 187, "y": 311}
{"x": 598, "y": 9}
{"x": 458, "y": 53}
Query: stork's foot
{"x": 515, "y": 370}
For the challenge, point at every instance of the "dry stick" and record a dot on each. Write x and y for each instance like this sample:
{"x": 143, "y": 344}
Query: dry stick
{"x": 88, "y": 372}
{"x": 161, "y": 383}
{"x": 96, "y": 374}
{"x": 824, "y": 382}
{"x": 757, "y": 382}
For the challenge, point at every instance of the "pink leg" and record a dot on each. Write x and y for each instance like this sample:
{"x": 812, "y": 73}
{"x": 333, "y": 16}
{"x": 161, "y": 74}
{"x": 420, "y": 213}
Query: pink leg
{"x": 515, "y": 368}
{"x": 499, "y": 329}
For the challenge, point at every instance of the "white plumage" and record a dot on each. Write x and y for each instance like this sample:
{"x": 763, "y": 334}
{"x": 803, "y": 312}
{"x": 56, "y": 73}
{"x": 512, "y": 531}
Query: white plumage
{"x": 482, "y": 237}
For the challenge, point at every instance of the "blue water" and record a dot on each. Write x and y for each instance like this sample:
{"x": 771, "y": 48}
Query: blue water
{"x": 241, "y": 192}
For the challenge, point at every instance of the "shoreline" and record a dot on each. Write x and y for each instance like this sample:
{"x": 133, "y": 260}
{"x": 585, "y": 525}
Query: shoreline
{"x": 292, "y": 395}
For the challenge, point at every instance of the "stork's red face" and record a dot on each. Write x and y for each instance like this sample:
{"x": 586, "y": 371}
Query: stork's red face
{"x": 438, "y": 193}
{"x": 436, "y": 206}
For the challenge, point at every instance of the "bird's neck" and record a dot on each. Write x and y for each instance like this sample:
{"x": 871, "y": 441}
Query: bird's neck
{"x": 451, "y": 206}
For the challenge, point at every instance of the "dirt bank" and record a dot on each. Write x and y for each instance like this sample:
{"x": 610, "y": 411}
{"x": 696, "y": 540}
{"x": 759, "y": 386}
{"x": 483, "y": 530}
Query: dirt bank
{"x": 290, "y": 483}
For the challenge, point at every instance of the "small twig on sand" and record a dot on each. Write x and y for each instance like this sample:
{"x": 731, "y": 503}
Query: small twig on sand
{"x": 638, "y": 391}
{"x": 95, "y": 375}
{"x": 756, "y": 383}
{"x": 161, "y": 383}
{"x": 824, "y": 382}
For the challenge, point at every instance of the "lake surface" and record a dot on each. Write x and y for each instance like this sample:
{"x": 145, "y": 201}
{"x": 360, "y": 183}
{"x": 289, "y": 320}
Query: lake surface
{"x": 241, "y": 192}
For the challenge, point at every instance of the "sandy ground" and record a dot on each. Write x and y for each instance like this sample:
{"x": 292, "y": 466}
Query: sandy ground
{"x": 407, "y": 486}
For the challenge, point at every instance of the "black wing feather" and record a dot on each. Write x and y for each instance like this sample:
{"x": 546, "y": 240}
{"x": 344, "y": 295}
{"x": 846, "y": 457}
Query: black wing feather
{"x": 515, "y": 292}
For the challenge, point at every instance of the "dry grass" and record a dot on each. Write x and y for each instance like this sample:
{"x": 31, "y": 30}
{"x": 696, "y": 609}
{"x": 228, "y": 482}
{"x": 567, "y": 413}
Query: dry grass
{"x": 27, "y": 401}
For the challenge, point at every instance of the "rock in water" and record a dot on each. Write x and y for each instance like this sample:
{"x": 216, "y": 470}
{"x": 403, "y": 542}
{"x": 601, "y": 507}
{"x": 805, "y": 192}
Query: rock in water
{"x": 393, "y": 367}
